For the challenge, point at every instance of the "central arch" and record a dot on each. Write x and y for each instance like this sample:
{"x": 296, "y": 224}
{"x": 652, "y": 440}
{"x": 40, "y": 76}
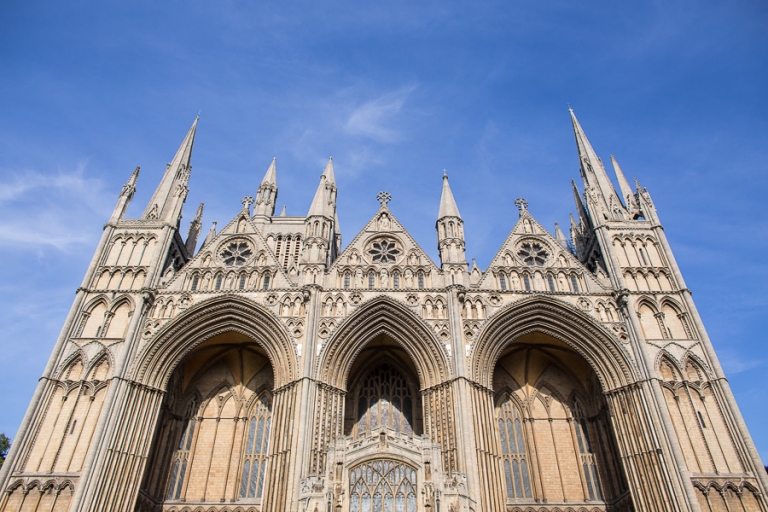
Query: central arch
{"x": 383, "y": 316}
{"x": 384, "y": 325}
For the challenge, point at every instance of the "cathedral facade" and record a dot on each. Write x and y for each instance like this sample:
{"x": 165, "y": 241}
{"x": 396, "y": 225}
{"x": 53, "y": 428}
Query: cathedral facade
{"x": 271, "y": 370}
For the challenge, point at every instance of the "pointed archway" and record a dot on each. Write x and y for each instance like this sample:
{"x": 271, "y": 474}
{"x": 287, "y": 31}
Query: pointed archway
{"x": 383, "y": 327}
{"x": 631, "y": 414}
{"x": 128, "y": 448}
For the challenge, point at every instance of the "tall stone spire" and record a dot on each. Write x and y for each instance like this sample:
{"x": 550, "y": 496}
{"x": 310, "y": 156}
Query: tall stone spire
{"x": 448, "y": 206}
{"x": 324, "y": 202}
{"x": 626, "y": 191}
{"x": 560, "y": 236}
{"x": 172, "y": 192}
{"x": 266, "y": 197}
{"x": 194, "y": 231}
{"x": 597, "y": 184}
{"x": 450, "y": 231}
{"x": 126, "y": 194}
{"x": 210, "y": 236}
{"x": 321, "y": 220}
{"x": 580, "y": 210}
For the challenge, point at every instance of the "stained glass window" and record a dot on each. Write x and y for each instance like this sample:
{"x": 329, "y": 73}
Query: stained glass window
{"x": 384, "y": 400}
{"x": 513, "y": 451}
{"x": 384, "y": 251}
{"x": 256, "y": 443}
{"x": 382, "y": 486}
{"x": 533, "y": 254}
{"x": 236, "y": 254}
{"x": 181, "y": 456}
{"x": 586, "y": 453}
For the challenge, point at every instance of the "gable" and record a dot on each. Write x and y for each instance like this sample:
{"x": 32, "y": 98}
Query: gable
{"x": 238, "y": 257}
{"x": 532, "y": 259}
{"x": 385, "y": 247}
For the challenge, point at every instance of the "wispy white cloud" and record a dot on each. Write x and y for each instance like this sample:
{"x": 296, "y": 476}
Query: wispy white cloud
{"x": 375, "y": 119}
{"x": 732, "y": 364}
{"x": 37, "y": 210}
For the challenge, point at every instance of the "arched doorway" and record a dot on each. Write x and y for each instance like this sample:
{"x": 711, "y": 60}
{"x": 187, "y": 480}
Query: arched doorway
{"x": 383, "y": 427}
{"x": 553, "y": 432}
{"x": 213, "y": 439}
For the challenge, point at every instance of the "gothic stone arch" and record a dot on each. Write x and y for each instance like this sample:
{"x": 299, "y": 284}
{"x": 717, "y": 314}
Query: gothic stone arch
{"x": 147, "y": 388}
{"x": 618, "y": 377}
{"x": 384, "y": 317}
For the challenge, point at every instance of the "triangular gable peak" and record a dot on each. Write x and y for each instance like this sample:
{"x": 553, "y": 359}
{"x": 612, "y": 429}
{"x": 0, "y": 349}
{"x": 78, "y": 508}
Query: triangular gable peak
{"x": 384, "y": 249}
{"x": 238, "y": 258}
{"x": 531, "y": 259}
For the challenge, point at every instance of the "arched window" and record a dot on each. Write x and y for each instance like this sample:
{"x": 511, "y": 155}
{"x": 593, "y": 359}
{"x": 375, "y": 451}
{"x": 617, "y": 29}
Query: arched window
{"x": 242, "y": 281}
{"x": 513, "y": 451}
{"x": 219, "y": 278}
{"x": 642, "y": 256}
{"x": 346, "y": 281}
{"x": 382, "y": 485}
{"x": 255, "y": 458}
{"x": 575, "y": 284}
{"x": 396, "y": 281}
{"x": 384, "y": 400}
{"x": 181, "y": 457}
{"x": 551, "y": 282}
{"x": 265, "y": 286}
{"x": 527, "y": 282}
{"x": 371, "y": 280}
{"x": 421, "y": 281}
{"x": 503, "y": 281}
{"x": 585, "y": 453}
{"x": 195, "y": 280}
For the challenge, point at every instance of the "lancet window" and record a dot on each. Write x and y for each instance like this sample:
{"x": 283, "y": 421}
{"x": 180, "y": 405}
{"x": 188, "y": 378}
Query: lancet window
{"x": 255, "y": 457}
{"x": 513, "y": 452}
{"x": 384, "y": 400}
{"x": 585, "y": 453}
{"x": 503, "y": 281}
{"x": 347, "y": 278}
{"x": 182, "y": 456}
{"x": 382, "y": 486}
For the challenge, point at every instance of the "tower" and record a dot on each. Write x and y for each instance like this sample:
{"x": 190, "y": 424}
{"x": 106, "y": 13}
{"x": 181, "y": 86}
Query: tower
{"x": 274, "y": 370}
{"x": 450, "y": 235}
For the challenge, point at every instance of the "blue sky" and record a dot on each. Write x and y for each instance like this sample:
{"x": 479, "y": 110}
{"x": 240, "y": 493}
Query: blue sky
{"x": 395, "y": 92}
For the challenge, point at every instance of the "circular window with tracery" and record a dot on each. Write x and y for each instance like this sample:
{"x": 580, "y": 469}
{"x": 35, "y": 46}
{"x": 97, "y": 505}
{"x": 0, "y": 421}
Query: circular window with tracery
{"x": 236, "y": 253}
{"x": 384, "y": 251}
{"x": 533, "y": 254}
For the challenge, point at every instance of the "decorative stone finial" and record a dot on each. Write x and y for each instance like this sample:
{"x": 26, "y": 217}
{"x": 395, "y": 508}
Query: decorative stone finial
{"x": 384, "y": 198}
{"x": 521, "y": 203}
{"x": 247, "y": 202}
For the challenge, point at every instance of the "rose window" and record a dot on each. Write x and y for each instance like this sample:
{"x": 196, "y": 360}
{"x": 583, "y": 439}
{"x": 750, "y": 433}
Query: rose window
{"x": 533, "y": 254}
{"x": 236, "y": 254}
{"x": 384, "y": 251}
